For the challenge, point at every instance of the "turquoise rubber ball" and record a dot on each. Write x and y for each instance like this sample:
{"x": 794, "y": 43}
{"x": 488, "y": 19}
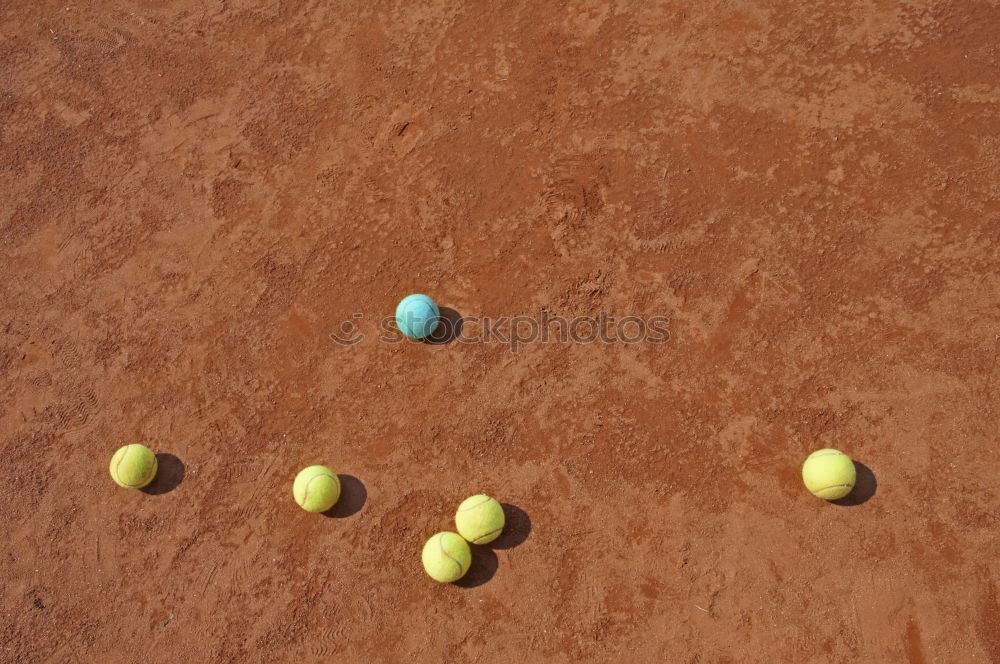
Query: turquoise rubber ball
{"x": 417, "y": 316}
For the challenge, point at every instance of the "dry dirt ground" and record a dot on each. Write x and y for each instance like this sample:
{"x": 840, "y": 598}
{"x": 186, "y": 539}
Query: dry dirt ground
{"x": 194, "y": 195}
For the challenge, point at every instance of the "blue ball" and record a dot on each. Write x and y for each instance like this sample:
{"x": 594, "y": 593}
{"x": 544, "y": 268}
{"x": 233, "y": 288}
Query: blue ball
{"x": 417, "y": 316}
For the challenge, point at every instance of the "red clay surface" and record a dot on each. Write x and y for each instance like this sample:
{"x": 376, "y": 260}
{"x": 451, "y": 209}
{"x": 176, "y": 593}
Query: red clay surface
{"x": 196, "y": 194}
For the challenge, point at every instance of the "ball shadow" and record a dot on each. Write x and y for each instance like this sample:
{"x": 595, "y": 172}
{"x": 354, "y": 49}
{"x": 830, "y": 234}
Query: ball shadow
{"x": 169, "y": 474}
{"x": 483, "y": 568}
{"x": 353, "y": 496}
{"x": 517, "y": 527}
{"x": 865, "y": 487}
{"x": 449, "y": 327}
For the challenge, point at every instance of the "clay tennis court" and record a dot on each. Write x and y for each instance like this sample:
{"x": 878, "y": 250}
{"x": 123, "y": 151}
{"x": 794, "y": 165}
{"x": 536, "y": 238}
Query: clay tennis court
{"x": 195, "y": 195}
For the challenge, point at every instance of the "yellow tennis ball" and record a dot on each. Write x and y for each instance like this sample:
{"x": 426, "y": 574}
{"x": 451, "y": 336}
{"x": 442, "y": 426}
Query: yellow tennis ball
{"x": 316, "y": 488}
{"x": 829, "y": 474}
{"x": 479, "y": 519}
{"x": 133, "y": 466}
{"x": 446, "y": 557}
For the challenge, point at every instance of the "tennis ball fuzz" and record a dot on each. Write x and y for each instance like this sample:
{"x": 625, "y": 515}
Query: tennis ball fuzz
{"x": 479, "y": 519}
{"x": 446, "y": 557}
{"x": 417, "y": 316}
{"x": 829, "y": 474}
{"x": 316, "y": 488}
{"x": 133, "y": 466}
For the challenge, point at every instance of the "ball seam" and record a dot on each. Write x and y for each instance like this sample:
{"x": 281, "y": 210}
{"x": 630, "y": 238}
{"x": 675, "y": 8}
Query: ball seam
{"x": 118, "y": 467}
{"x": 448, "y": 555}
{"x": 305, "y": 492}
{"x": 472, "y": 507}
{"x": 832, "y": 486}
{"x": 484, "y": 536}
